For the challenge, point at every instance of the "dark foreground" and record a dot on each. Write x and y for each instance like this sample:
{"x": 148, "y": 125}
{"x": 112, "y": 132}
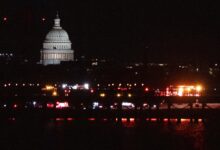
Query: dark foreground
{"x": 59, "y": 134}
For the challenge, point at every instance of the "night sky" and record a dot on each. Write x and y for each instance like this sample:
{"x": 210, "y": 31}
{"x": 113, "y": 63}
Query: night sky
{"x": 156, "y": 30}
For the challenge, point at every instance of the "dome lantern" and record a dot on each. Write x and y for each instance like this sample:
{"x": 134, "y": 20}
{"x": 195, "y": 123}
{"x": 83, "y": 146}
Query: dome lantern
{"x": 57, "y": 22}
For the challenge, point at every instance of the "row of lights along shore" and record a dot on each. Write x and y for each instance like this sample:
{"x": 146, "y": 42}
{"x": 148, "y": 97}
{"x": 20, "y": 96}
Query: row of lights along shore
{"x": 120, "y": 84}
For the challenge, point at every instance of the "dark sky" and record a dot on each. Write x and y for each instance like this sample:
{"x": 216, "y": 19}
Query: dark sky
{"x": 156, "y": 30}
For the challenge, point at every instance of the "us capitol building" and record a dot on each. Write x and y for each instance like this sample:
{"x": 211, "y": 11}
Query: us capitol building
{"x": 56, "y": 46}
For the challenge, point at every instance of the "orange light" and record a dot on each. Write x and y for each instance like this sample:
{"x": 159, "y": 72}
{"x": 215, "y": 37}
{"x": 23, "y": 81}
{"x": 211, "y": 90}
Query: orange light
{"x": 54, "y": 93}
{"x": 129, "y": 95}
{"x": 48, "y": 87}
{"x": 198, "y": 88}
{"x": 102, "y": 95}
{"x": 118, "y": 95}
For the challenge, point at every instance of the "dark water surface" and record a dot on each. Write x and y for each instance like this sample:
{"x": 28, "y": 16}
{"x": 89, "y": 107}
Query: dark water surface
{"x": 91, "y": 135}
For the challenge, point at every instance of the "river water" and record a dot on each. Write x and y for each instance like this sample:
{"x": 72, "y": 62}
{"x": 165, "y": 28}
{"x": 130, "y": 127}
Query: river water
{"x": 61, "y": 134}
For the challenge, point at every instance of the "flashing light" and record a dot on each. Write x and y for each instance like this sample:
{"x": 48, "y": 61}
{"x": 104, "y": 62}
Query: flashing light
{"x": 146, "y": 89}
{"x": 64, "y": 86}
{"x": 95, "y": 104}
{"x": 86, "y": 86}
{"x": 75, "y": 87}
{"x": 50, "y": 105}
{"x": 145, "y": 104}
{"x": 180, "y": 91}
{"x": 129, "y": 95}
{"x": 102, "y": 95}
{"x": 91, "y": 91}
{"x": 4, "y": 105}
{"x": 15, "y": 105}
{"x": 61, "y": 105}
{"x": 34, "y": 103}
{"x": 127, "y": 104}
{"x": 43, "y": 18}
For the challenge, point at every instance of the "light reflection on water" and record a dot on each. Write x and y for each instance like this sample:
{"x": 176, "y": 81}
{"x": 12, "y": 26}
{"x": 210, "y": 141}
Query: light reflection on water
{"x": 129, "y": 133}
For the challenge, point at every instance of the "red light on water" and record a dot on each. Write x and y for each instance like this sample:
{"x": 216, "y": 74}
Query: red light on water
{"x": 124, "y": 119}
{"x": 200, "y": 120}
{"x": 91, "y": 119}
{"x": 165, "y": 119}
{"x": 69, "y": 119}
{"x": 59, "y": 119}
{"x": 105, "y": 119}
{"x": 185, "y": 120}
{"x": 132, "y": 119}
{"x": 173, "y": 120}
{"x": 153, "y": 119}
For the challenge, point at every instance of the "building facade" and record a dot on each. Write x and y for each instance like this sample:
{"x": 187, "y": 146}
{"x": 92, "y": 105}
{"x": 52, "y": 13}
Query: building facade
{"x": 57, "y": 46}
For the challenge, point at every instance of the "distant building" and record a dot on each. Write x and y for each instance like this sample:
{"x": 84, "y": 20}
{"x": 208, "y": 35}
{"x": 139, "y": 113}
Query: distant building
{"x": 56, "y": 46}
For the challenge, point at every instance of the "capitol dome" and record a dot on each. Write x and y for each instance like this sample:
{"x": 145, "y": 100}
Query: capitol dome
{"x": 57, "y": 35}
{"x": 56, "y": 46}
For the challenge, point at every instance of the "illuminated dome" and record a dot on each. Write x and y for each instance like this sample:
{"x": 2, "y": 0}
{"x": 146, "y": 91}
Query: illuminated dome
{"x": 57, "y": 35}
{"x": 56, "y": 46}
